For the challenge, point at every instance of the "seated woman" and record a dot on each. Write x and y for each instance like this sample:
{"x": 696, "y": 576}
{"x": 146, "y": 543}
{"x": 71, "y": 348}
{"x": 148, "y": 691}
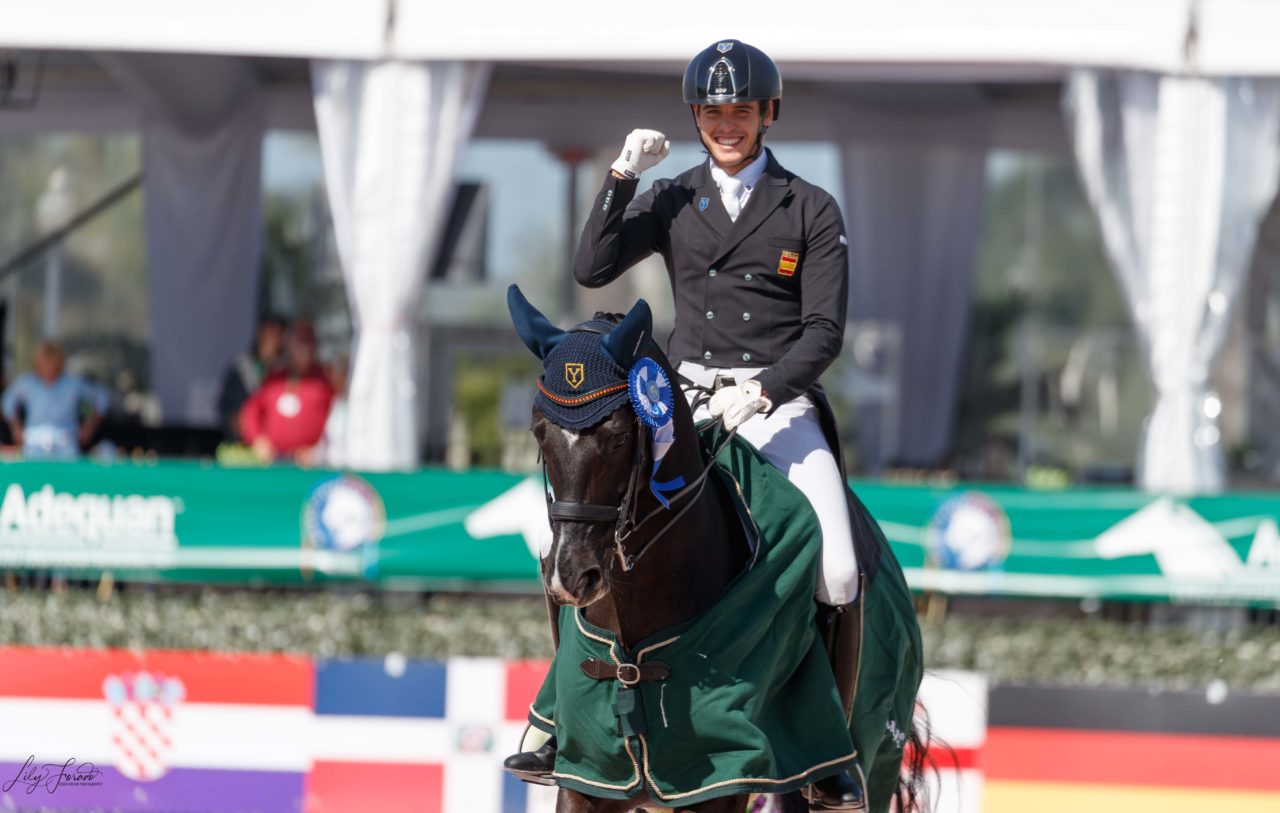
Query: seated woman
{"x": 285, "y": 417}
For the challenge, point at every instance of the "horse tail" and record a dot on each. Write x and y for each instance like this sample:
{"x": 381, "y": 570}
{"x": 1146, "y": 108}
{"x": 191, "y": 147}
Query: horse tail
{"x": 912, "y": 792}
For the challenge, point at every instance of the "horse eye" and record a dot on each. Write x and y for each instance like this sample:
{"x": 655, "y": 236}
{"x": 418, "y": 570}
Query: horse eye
{"x": 619, "y": 441}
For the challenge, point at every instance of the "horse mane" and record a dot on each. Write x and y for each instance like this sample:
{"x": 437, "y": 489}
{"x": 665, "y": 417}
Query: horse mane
{"x": 600, "y": 316}
{"x": 652, "y": 348}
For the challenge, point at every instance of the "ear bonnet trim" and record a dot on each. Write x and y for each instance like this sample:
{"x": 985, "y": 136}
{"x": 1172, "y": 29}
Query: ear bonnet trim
{"x": 581, "y": 399}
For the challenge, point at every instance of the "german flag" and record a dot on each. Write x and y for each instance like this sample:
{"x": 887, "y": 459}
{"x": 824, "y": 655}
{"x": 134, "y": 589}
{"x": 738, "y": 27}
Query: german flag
{"x": 787, "y": 263}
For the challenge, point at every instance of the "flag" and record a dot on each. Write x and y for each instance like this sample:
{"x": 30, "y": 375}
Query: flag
{"x": 149, "y": 731}
{"x": 415, "y": 736}
{"x": 153, "y": 730}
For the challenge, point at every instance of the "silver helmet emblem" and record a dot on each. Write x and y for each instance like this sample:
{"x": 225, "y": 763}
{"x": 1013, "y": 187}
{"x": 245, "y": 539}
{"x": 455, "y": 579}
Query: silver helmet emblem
{"x": 722, "y": 83}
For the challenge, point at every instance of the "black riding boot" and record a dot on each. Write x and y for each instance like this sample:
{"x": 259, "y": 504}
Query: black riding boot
{"x": 841, "y": 631}
{"x": 534, "y": 766}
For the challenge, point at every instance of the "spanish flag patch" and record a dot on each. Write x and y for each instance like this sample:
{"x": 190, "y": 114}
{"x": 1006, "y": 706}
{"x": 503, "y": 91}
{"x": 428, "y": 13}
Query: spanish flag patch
{"x": 787, "y": 263}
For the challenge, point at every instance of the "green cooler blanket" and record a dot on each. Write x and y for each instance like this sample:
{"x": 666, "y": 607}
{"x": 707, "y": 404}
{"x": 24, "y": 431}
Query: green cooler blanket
{"x": 750, "y": 705}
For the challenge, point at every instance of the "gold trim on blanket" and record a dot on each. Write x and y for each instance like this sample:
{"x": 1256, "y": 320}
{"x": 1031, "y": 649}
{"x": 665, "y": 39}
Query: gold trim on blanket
{"x": 753, "y": 780}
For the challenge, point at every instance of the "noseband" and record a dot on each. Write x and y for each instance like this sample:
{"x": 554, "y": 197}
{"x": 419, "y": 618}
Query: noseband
{"x": 623, "y": 515}
{"x": 571, "y": 511}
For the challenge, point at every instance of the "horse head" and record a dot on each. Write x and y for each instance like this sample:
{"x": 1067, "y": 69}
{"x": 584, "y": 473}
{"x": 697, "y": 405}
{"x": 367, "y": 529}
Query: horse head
{"x": 594, "y": 439}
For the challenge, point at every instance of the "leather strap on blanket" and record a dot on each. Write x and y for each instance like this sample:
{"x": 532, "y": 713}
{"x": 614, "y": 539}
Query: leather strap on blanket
{"x": 628, "y": 674}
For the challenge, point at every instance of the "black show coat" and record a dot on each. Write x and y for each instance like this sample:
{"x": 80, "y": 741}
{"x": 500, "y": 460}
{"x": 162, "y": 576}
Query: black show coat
{"x": 768, "y": 290}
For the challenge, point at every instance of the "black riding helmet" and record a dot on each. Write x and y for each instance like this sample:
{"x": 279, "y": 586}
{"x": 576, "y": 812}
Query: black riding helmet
{"x": 729, "y": 72}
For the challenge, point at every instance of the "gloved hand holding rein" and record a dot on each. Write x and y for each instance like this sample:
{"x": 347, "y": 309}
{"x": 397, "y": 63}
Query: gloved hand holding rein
{"x": 738, "y": 403}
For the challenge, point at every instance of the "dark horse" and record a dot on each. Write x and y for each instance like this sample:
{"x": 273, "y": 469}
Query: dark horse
{"x": 632, "y": 564}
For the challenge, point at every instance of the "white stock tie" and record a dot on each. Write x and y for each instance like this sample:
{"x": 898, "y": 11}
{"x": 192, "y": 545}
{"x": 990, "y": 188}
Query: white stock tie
{"x": 731, "y": 190}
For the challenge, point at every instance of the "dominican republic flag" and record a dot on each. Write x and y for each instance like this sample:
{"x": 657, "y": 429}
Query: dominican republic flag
{"x": 153, "y": 731}
{"x": 421, "y": 736}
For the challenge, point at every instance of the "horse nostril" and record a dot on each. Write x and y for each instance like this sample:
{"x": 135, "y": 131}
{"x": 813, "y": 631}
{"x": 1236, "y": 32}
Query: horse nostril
{"x": 588, "y": 582}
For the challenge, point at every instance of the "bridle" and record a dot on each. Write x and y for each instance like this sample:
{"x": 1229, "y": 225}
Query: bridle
{"x": 623, "y": 515}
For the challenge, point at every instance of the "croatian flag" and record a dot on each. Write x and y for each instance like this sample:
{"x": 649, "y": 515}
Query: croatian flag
{"x": 153, "y": 731}
{"x": 150, "y": 731}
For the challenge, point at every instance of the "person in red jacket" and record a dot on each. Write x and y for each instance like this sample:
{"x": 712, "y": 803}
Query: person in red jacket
{"x": 285, "y": 417}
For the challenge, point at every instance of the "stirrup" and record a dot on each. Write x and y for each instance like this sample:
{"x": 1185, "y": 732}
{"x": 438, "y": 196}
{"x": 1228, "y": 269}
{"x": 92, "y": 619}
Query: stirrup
{"x": 813, "y": 796}
{"x": 533, "y": 778}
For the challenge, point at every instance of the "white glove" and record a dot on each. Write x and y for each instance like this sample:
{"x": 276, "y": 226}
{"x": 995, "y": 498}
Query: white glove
{"x": 643, "y": 150}
{"x": 738, "y": 403}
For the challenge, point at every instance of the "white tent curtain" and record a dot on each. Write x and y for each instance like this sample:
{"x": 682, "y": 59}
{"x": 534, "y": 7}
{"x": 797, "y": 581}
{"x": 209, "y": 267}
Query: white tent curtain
{"x": 1180, "y": 170}
{"x": 203, "y": 192}
{"x": 390, "y": 135}
{"x": 914, "y": 187}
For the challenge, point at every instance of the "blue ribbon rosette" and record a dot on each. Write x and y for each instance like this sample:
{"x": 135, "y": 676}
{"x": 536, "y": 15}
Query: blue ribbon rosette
{"x": 650, "y": 392}
{"x": 653, "y": 400}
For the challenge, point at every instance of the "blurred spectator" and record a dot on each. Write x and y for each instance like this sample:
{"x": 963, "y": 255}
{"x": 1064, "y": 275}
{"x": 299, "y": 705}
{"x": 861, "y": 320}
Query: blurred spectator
{"x": 44, "y": 407}
{"x": 246, "y": 372}
{"x": 285, "y": 417}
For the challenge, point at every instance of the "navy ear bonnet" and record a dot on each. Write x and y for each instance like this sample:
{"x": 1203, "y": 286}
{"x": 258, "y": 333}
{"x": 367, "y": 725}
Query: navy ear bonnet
{"x": 585, "y": 370}
{"x": 597, "y": 368}
{"x": 580, "y": 383}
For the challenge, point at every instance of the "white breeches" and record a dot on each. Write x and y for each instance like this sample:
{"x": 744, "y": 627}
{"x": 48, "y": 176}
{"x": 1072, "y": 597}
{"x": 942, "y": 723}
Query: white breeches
{"x": 791, "y": 439}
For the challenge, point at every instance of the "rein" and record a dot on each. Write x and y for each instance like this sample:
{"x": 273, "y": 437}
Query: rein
{"x": 623, "y": 515}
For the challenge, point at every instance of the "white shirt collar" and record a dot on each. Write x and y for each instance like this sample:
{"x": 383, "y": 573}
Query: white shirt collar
{"x": 748, "y": 176}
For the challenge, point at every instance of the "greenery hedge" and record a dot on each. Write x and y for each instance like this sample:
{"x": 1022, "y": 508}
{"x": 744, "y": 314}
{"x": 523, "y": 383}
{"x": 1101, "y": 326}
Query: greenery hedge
{"x": 1107, "y": 653}
{"x": 336, "y": 624}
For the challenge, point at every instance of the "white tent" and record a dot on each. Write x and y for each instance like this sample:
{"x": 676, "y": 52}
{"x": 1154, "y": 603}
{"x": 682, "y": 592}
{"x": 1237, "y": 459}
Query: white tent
{"x": 901, "y": 86}
{"x": 843, "y": 37}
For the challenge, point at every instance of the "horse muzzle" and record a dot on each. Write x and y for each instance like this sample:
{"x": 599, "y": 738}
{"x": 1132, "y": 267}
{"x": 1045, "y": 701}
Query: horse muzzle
{"x": 577, "y": 584}
{"x": 584, "y": 590}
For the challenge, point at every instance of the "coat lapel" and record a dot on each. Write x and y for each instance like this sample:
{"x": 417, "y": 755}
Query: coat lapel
{"x": 707, "y": 203}
{"x": 768, "y": 194}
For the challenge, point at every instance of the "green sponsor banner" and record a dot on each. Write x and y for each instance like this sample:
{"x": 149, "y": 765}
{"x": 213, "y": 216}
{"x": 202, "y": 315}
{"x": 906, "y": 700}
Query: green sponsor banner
{"x": 1086, "y": 542}
{"x": 186, "y": 521}
{"x": 180, "y": 521}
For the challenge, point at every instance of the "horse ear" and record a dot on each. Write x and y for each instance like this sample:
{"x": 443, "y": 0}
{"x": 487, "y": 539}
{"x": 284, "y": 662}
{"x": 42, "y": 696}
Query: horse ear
{"x": 534, "y": 329}
{"x": 624, "y": 343}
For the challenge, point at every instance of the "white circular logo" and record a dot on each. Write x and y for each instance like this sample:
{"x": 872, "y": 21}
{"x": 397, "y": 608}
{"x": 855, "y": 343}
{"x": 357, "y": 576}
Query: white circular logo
{"x": 343, "y": 513}
{"x": 969, "y": 532}
{"x": 289, "y": 405}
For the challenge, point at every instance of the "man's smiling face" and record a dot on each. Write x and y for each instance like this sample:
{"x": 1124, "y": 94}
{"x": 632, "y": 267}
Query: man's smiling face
{"x": 730, "y": 131}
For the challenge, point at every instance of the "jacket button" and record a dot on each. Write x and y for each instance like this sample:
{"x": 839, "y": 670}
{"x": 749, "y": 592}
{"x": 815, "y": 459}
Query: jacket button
{"x": 747, "y": 277}
{"x": 711, "y": 314}
{"x": 711, "y": 273}
{"x": 746, "y": 317}
{"x": 707, "y": 355}
{"x": 746, "y": 357}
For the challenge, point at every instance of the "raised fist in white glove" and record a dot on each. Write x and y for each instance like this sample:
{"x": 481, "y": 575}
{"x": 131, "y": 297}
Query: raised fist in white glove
{"x": 738, "y": 403}
{"x": 644, "y": 149}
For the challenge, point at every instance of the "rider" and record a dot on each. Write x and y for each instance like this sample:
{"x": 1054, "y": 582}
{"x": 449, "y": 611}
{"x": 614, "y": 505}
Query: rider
{"x": 758, "y": 261}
